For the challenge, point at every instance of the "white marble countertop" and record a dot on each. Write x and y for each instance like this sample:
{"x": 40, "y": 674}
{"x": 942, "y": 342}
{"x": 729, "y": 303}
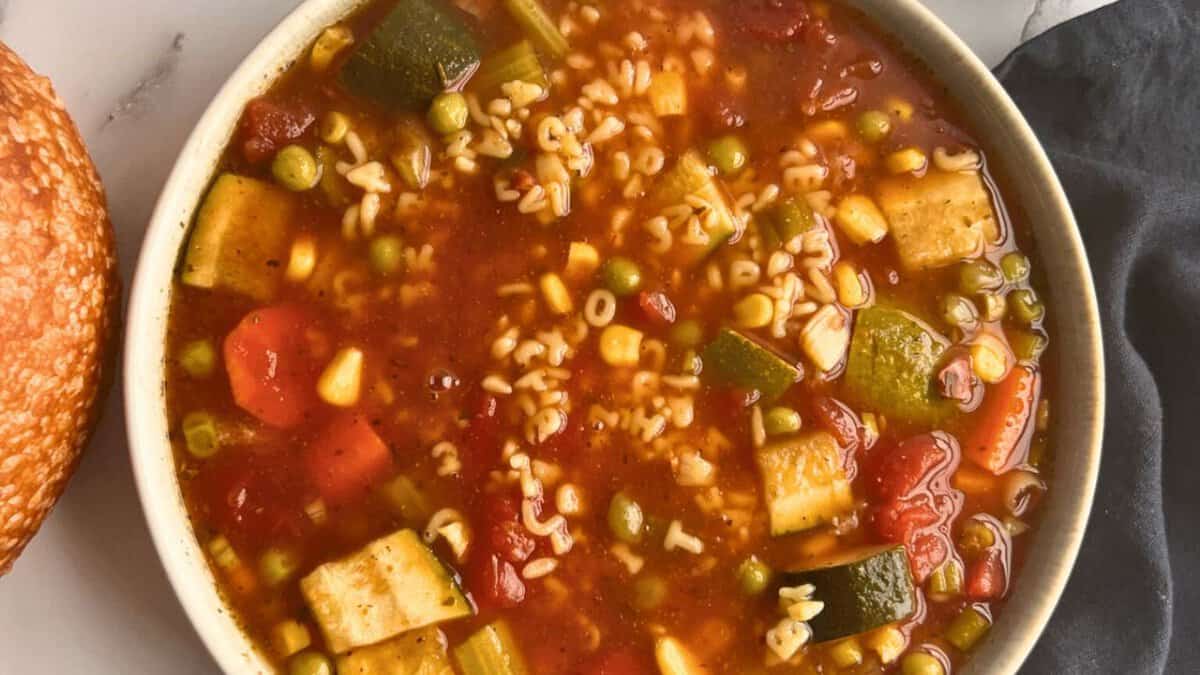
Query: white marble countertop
{"x": 89, "y": 595}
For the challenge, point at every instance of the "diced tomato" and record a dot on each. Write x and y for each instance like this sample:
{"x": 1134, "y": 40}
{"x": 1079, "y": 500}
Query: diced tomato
{"x": 506, "y": 536}
{"x": 267, "y": 126}
{"x": 987, "y": 577}
{"x": 657, "y": 307}
{"x": 1005, "y": 423}
{"x": 494, "y": 582}
{"x": 347, "y": 458}
{"x": 619, "y": 662}
{"x": 271, "y": 372}
{"x": 914, "y": 503}
{"x": 252, "y": 497}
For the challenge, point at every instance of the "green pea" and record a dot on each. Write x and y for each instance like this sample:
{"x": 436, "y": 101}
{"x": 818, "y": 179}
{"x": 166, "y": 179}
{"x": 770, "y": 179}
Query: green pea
{"x": 993, "y": 306}
{"x": 198, "y": 358}
{"x": 921, "y": 663}
{"x": 1015, "y": 267}
{"x": 687, "y": 333}
{"x": 874, "y": 126}
{"x": 200, "y": 434}
{"x": 979, "y": 276}
{"x": 295, "y": 168}
{"x": 1025, "y": 306}
{"x": 753, "y": 576}
{"x": 622, "y": 276}
{"x": 448, "y": 112}
{"x": 310, "y": 662}
{"x": 780, "y": 421}
{"x": 959, "y": 311}
{"x": 386, "y": 254}
{"x": 649, "y": 593}
{"x": 728, "y": 154}
{"x": 1028, "y": 345}
{"x": 625, "y": 518}
{"x": 277, "y": 565}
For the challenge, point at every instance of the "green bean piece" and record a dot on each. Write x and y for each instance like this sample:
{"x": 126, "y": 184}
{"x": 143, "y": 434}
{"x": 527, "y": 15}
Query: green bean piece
{"x": 625, "y": 518}
{"x": 946, "y": 580}
{"x": 753, "y": 576}
{"x": 277, "y": 566}
{"x": 874, "y": 126}
{"x": 687, "y": 333}
{"x": 1028, "y": 345}
{"x": 386, "y": 254}
{"x": 649, "y": 593}
{"x": 448, "y": 113}
{"x": 966, "y": 629}
{"x": 310, "y": 662}
{"x": 728, "y": 154}
{"x": 921, "y": 663}
{"x": 1015, "y": 267}
{"x": 198, "y": 358}
{"x": 780, "y": 421}
{"x": 622, "y": 276}
{"x": 1025, "y": 306}
{"x": 979, "y": 276}
{"x": 295, "y": 168}
{"x": 959, "y": 311}
{"x": 200, "y": 434}
{"x": 976, "y": 537}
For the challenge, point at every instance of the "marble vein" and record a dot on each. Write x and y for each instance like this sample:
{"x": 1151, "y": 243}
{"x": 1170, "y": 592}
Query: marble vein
{"x": 135, "y": 101}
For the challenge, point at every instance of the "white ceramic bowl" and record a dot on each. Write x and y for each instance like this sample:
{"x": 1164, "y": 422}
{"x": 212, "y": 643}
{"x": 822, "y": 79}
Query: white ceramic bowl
{"x": 1011, "y": 146}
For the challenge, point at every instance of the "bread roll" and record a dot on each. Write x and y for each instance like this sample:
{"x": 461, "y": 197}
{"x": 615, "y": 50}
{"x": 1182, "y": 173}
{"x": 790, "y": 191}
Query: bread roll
{"x": 58, "y": 300}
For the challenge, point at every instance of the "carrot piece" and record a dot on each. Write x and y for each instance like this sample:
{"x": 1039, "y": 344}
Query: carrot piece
{"x": 271, "y": 372}
{"x": 1001, "y": 438}
{"x": 973, "y": 481}
{"x": 347, "y": 458}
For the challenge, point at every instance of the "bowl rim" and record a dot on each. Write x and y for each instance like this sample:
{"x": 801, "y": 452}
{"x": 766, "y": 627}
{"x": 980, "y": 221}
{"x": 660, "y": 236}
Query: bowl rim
{"x": 179, "y": 550}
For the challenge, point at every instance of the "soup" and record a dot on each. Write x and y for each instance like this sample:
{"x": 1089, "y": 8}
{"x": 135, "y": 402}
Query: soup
{"x": 537, "y": 336}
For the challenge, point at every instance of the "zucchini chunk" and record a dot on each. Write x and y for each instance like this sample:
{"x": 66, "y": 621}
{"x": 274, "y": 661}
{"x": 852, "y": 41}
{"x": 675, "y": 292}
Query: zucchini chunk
{"x": 690, "y": 177}
{"x": 804, "y": 483}
{"x": 893, "y": 365}
{"x": 938, "y": 219}
{"x": 240, "y": 238}
{"x": 734, "y": 359}
{"x": 391, "y": 585}
{"x": 862, "y": 590}
{"x": 417, "y": 652}
{"x": 516, "y": 63}
{"x": 419, "y": 50}
{"x": 491, "y": 650}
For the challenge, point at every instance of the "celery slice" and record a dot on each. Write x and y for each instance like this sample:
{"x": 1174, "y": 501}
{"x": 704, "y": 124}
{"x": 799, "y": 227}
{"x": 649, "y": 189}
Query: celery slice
{"x": 538, "y": 26}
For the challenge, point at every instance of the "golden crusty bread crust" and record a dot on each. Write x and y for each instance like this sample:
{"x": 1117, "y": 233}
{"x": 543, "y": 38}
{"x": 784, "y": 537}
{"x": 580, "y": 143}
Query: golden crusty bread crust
{"x": 58, "y": 292}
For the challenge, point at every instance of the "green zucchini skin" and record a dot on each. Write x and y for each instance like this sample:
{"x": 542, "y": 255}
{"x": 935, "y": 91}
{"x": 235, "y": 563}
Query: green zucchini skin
{"x": 893, "y": 364}
{"x": 419, "y": 50}
{"x": 734, "y": 359}
{"x": 862, "y": 590}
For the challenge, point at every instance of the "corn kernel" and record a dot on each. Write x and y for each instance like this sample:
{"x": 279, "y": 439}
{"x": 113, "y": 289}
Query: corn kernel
{"x": 303, "y": 258}
{"x": 620, "y": 345}
{"x": 827, "y": 131}
{"x": 888, "y": 642}
{"x": 289, "y": 637}
{"x": 558, "y": 298}
{"x": 990, "y": 358}
{"x": 851, "y": 290}
{"x": 861, "y": 220}
{"x": 334, "y": 127}
{"x": 341, "y": 380}
{"x": 332, "y": 41}
{"x": 900, "y": 108}
{"x": 582, "y": 260}
{"x": 753, "y": 311}
{"x": 908, "y": 160}
{"x": 222, "y": 552}
{"x": 846, "y": 653}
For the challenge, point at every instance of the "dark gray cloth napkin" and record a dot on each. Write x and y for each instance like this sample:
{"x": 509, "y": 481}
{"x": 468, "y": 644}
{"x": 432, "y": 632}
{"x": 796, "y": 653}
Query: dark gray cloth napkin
{"x": 1115, "y": 98}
